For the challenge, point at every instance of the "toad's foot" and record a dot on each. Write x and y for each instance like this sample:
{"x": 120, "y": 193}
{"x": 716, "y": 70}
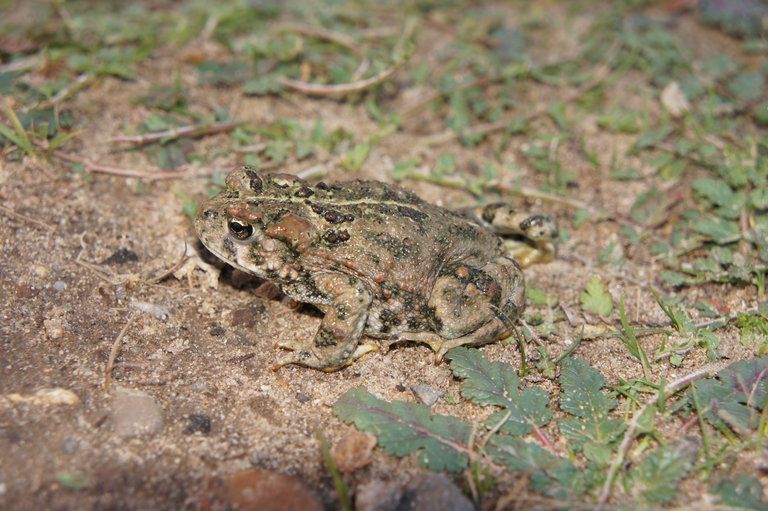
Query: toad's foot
{"x": 489, "y": 332}
{"x": 302, "y": 354}
{"x": 528, "y": 254}
{"x": 534, "y": 235}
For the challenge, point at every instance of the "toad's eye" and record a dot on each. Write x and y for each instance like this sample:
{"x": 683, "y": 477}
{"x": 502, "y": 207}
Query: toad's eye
{"x": 240, "y": 230}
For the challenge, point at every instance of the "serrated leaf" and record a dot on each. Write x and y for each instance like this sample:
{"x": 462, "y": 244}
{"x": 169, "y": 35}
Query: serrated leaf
{"x": 582, "y": 398}
{"x": 672, "y": 278}
{"x": 651, "y": 138}
{"x": 715, "y": 190}
{"x": 655, "y": 478}
{"x": 517, "y": 454}
{"x": 721, "y": 231}
{"x": 495, "y": 383}
{"x": 650, "y": 207}
{"x": 743, "y": 492}
{"x": 551, "y": 475}
{"x": 596, "y": 297}
{"x": 403, "y": 428}
{"x": 736, "y": 396}
{"x": 598, "y": 453}
{"x": 747, "y": 86}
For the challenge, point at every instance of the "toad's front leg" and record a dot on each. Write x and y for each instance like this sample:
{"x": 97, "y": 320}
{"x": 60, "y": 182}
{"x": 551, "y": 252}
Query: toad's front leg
{"x": 336, "y": 342}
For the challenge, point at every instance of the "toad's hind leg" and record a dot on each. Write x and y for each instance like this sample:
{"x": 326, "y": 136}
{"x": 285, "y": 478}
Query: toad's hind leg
{"x": 475, "y": 306}
{"x": 335, "y": 344}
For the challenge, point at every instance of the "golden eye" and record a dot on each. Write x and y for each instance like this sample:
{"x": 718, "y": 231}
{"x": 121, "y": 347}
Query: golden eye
{"x": 240, "y": 230}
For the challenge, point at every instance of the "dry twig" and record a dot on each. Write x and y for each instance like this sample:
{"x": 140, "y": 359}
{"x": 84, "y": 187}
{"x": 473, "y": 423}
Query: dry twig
{"x": 183, "y": 131}
{"x": 113, "y": 352}
{"x": 26, "y": 218}
{"x": 340, "y": 89}
{"x": 81, "y": 82}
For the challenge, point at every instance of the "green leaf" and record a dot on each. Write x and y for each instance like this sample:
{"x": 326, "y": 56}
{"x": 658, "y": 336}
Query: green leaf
{"x": 495, "y": 383}
{"x": 596, "y": 298}
{"x": 403, "y": 168}
{"x": 537, "y": 297}
{"x": 710, "y": 341}
{"x": 402, "y": 428}
{"x": 459, "y": 116}
{"x": 719, "y": 66}
{"x": 650, "y": 208}
{"x": 721, "y": 231}
{"x": 654, "y": 480}
{"x": 651, "y": 138}
{"x": 754, "y": 329}
{"x": 737, "y": 397}
{"x": 743, "y": 492}
{"x": 17, "y": 135}
{"x": 219, "y": 74}
{"x": 73, "y": 480}
{"x": 558, "y": 114}
{"x": 550, "y": 475}
{"x": 518, "y": 455}
{"x": 715, "y": 190}
{"x": 446, "y": 164}
{"x": 747, "y": 86}
{"x": 679, "y": 318}
{"x": 673, "y": 278}
{"x": 598, "y": 453}
{"x": 355, "y": 157}
{"x": 582, "y": 398}
{"x": 580, "y": 216}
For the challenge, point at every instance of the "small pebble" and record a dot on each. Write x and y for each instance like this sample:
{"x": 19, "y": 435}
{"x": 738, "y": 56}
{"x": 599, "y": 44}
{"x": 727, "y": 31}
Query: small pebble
{"x": 121, "y": 256}
{"x": 262, "y": 490}
{"x": 426, "y": 394}
{"x": 378, "y": 495}
{"x": 70, "y": 445}
{"x": 59, "y": 285}
{"x": 353, "y": 451}
{"x": 303, "y": 398}
{"x": 198, "y": 423}
{"x": 161, "y": 312}
{"x": 135, "y": 413}
{"x": 426, "y": 491}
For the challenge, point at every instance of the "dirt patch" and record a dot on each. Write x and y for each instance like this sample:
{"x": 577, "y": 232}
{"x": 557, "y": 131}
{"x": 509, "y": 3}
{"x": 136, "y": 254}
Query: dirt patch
{"x": 86, "y": 259}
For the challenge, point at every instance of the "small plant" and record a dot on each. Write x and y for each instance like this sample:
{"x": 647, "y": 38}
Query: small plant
{"x": 513, "y": 434}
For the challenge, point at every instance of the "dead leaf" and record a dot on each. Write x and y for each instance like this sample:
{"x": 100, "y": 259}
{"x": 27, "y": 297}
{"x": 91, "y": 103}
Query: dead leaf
{"x": 674, "y": 100}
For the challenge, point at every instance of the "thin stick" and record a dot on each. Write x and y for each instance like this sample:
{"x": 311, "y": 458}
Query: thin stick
{"x": 117, "y": 171}
{"x": 322, "y": 33}
{"x": 81, "y": 82}
{"x": 340, "y": 88}
{"x": 114, "y": 350}
{"x": 26, "y": 218}
{"x": 184, "y": 131}
{"x": 20, "y": 64}
{"x": 629, "y": 435}
{"x": 359, "y": 85}
{"x": 170, "y": 271}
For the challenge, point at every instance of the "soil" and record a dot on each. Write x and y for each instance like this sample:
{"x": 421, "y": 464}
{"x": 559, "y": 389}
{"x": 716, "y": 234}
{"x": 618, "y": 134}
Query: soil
{"x": 86, "y": 261}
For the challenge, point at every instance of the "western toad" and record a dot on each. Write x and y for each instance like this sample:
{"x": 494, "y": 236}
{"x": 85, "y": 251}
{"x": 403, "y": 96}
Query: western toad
{"x": 376, "y": 260}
